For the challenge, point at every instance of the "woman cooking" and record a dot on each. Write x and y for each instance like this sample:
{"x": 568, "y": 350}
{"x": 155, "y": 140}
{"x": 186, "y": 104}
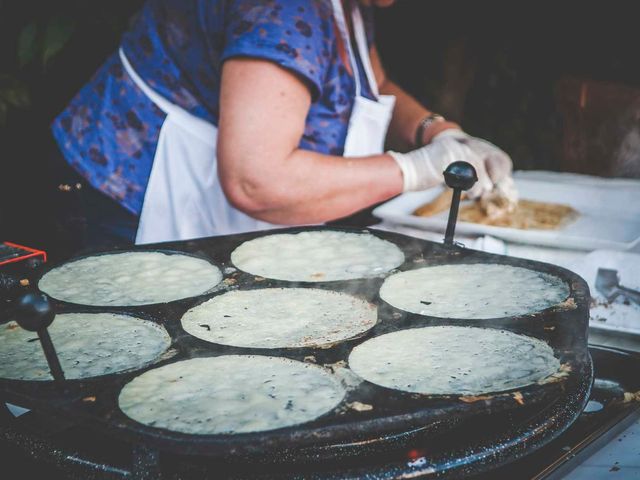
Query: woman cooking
{"x": 218, "y": 117}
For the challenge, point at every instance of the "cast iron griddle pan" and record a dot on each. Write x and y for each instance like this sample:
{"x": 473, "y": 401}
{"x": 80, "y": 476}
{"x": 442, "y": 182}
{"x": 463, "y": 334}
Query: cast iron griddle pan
{"x": 397, "y": 418}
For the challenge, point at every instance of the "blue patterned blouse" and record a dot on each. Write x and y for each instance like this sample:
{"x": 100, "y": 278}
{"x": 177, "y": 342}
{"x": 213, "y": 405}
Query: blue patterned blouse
{"x": 110, "y": 129}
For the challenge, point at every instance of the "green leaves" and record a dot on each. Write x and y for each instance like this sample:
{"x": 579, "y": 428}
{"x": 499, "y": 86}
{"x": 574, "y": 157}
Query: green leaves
{"x": 34, "y": 38}
{"x": 13, "y": 94}
{"x": 38, "y": 44}
{"x": 57, "y": 33}
{"x": 27, "y": 44}
{"x": 44, "y": 40}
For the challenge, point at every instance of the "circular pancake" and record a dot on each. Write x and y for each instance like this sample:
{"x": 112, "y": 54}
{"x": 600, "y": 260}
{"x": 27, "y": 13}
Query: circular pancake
{"x": 473, "y": 291}
{"x": 87, "y": 344}
{"x": 230, "y": 394}
{"x": 317, "y": 256}
{"x": 280, "y": 318}
{"x": 453, "y": 360}
{"x": 130, "y": 278}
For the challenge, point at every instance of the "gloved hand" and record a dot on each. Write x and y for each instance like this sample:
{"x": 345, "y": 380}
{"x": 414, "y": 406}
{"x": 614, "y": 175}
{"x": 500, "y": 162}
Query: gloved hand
{"x": 423, "y": 168}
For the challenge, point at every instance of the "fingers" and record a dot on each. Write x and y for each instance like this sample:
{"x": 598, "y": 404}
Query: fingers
{"x": 484, "y": 183}
{"x": 498, "y": 165}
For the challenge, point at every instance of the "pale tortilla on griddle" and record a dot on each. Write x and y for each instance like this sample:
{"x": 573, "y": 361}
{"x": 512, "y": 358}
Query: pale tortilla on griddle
{"x": 280, "y": 318}
{"x": 87, "y": 344}
{"x": 317, "y": 256}
{"x": 448, "y": 360}
{"x": 473, "y": 291}
{"x": 130, "y": 278}
{"x": 230, "y": 394}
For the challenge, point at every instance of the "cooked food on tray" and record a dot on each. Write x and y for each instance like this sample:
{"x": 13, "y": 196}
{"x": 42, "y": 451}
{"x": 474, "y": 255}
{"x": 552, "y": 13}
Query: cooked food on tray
{"x": 87, "y": 344}
{"x": 317, "y": 256}
{"x": 280, "y": 318}
{"x": 230, "y": 394}
{"x": 473, "y": 291}
{"x": 130, "y": 278}
{"x": 453, "y": 360}
{"x": 525, "y": 214}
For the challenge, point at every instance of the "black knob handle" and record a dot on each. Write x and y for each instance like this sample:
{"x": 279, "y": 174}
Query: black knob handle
{"x": 459, "y": 176}
{"x": 33, "y": 312}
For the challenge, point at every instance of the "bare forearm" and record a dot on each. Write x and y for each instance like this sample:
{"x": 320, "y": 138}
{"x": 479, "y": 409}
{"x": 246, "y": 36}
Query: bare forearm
{"x": 263, "y": 172}
{"x": 318, "y": 188}
{"x": 407, "y": 115}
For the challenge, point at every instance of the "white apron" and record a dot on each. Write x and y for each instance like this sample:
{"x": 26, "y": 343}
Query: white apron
{"x": 184, "y": 198}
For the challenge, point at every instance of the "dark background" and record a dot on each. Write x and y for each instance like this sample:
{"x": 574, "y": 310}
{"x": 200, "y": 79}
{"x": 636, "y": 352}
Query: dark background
{"x": 556, "y": 85}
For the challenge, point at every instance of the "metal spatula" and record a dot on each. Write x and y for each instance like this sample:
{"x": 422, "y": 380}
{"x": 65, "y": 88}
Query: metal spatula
{"x": 608, "y": 284}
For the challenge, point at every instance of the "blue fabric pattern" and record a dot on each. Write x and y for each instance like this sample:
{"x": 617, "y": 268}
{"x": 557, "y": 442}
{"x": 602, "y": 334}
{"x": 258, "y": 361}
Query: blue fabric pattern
{"x": 109, "y": 131}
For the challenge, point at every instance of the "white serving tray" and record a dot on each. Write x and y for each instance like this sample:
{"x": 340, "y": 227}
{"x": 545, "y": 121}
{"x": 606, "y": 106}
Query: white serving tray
{"x": 609, "y": 212}
{"x": 616, "y": 316}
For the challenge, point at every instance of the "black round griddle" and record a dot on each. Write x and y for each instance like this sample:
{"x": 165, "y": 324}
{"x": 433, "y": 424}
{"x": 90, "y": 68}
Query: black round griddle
{"x": 397, "y": 418}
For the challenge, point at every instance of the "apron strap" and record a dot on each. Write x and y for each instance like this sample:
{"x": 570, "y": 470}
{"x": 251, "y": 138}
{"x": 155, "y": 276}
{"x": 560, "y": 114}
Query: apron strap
{"x": 363, "y": 49}
{"x": 199, "y": 127}
{"x": 361, "y": 41}
{"x": 162, "y": 103}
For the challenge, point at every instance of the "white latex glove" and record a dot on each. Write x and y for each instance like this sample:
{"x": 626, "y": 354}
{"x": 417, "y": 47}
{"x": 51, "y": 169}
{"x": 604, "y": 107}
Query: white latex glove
{"x": 423, "y": 168}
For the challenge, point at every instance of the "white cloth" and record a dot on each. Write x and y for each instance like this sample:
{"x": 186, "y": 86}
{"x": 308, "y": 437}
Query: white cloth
{"x": 184, "y": 198}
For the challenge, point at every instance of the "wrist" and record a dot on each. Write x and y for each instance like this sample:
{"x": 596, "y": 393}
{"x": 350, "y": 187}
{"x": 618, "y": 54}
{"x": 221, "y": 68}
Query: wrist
{"x": 437, "y": 127}
{"x": 418, "y": 167}
{"x": 426, "y": 123}
{"x": 406, "y": 169}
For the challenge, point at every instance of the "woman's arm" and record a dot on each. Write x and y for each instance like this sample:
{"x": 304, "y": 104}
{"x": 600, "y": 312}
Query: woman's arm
{"x": 263, "y": 108}
{"x": 407, "y": 113}
{"x": 493, "y": 166}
